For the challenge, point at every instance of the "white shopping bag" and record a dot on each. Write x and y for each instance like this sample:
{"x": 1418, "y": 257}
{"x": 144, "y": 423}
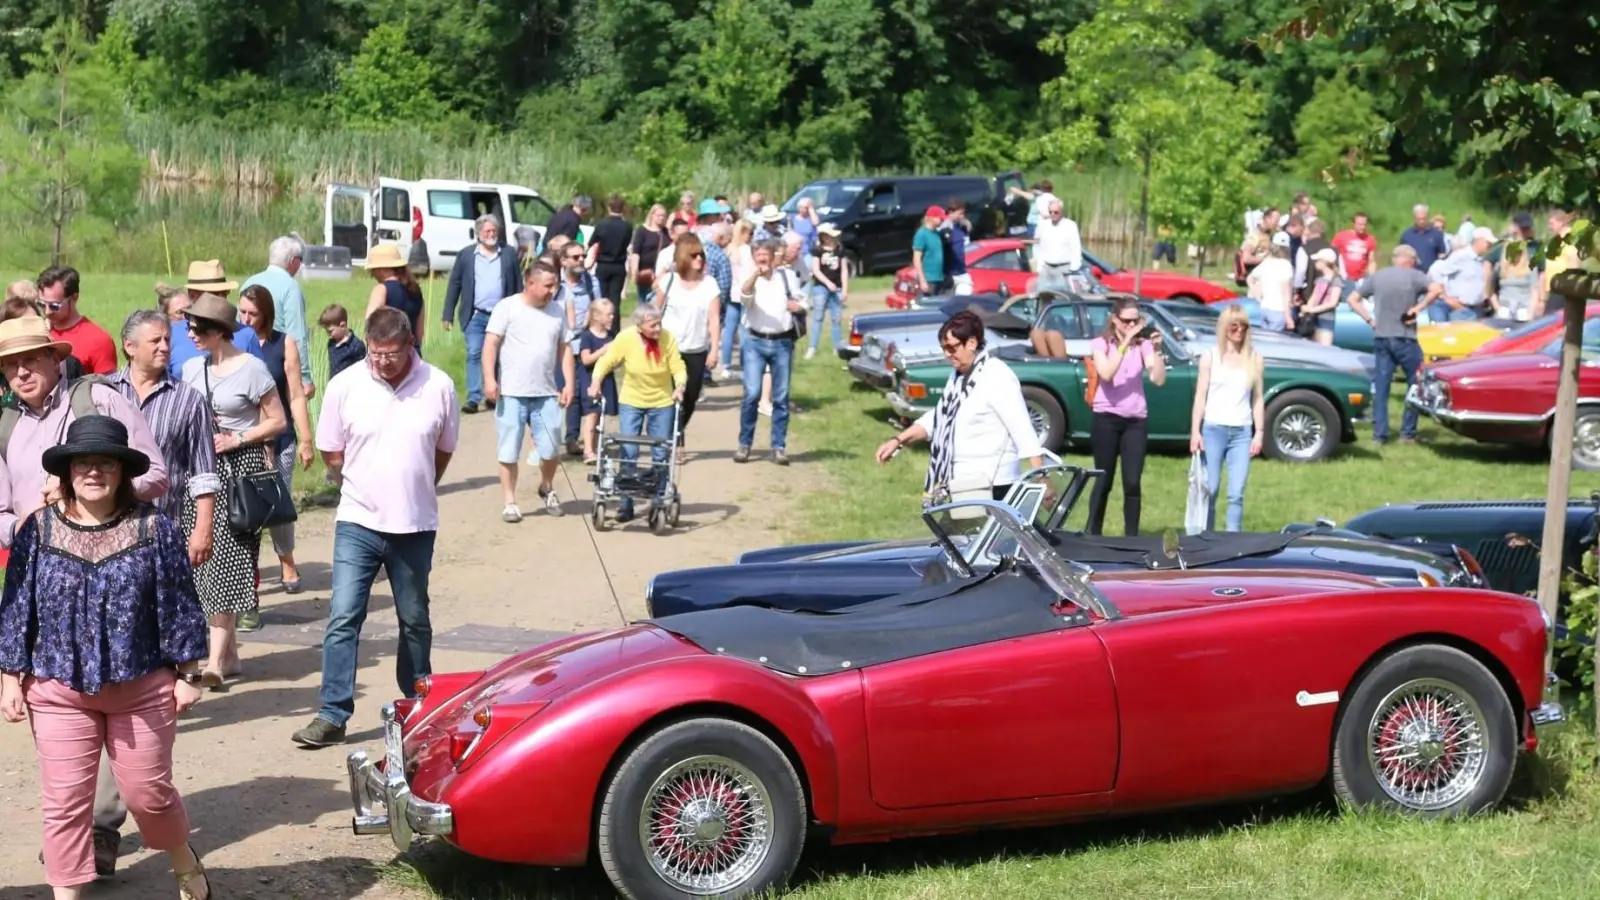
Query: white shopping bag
{"x": 1198, "y": 512}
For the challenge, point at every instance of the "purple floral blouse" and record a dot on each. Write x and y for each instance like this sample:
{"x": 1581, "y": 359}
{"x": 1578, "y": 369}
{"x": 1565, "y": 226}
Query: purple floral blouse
{"x": 90, "y": 606}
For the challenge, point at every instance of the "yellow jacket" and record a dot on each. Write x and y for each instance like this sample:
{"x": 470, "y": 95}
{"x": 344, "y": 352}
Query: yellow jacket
{"x": 646, "y": 383}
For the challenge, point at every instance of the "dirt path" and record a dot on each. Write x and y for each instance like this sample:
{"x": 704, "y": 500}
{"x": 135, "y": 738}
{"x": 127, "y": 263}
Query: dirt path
{"x": 273, "y": 820}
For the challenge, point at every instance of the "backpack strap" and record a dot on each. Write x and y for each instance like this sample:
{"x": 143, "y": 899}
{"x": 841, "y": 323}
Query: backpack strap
{"x": 80, "y": 396}
{"x": 9, "y": 417}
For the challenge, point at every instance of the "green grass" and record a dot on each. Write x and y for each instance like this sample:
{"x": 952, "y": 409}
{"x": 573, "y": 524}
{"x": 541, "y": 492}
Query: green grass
{"x": 108, "y": 299}
{"x": 1541, "y": 844}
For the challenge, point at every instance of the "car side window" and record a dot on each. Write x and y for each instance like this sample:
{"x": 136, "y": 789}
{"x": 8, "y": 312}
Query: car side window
{"x": 1590, "y": 348}
{"x": 449, "y": 205}
{"x": 1096, "y": 314}
{"x": 1063, "y": 317}
{"x": 527, "y": 209}
{"x": 882, "y": 199}
{"x": 394, "y": 204}
{"x": 1004, "y": 261}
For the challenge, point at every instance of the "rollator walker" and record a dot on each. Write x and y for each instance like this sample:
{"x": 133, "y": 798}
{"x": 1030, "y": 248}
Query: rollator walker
{"x": 640, "y": 480}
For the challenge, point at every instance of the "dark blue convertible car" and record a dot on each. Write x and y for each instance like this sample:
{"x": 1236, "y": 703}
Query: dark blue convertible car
{"x": 824, "y": 577}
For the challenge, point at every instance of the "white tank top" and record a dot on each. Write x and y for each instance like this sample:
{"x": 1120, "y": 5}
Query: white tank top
{"x": 687, "y": 315}
{"x": 1228, "y": 393}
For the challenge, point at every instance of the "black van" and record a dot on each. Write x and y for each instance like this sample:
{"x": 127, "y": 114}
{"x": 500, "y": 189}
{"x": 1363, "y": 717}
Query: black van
{"x": 877, "y": 217}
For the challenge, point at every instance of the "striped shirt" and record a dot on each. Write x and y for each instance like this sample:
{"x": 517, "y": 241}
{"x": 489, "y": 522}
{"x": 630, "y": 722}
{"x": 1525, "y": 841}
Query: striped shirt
{"x": 719, "y": 268}
{"x": 180, "y": 420}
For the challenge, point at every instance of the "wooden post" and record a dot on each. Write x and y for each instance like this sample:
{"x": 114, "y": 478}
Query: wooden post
{"x": 1577, "y": 287}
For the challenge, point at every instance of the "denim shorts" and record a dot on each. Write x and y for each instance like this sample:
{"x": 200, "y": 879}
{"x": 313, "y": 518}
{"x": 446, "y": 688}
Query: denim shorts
{"x": 541, "y": 415}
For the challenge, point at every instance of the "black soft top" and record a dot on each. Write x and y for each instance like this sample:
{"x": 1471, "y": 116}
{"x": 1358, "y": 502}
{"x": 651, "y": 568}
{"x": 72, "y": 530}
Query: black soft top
{"x": 1007, "y": 602}
{"x": 1206, "y": 549}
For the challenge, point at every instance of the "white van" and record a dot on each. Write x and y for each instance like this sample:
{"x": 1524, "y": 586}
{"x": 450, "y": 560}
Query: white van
{"x": 431, "y": 217}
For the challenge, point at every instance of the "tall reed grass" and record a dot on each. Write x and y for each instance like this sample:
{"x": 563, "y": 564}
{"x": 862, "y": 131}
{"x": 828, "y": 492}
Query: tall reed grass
{"x": 214, "y": 193}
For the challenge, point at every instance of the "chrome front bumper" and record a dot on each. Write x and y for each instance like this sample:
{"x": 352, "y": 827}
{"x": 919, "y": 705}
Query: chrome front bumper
{"x": 403, "y": 816}
{"x": 1550, "y": 711}
{"x": 903, "y": 407}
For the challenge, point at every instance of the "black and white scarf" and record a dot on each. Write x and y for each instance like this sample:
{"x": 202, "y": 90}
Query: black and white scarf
{"x": 942, "y": 442}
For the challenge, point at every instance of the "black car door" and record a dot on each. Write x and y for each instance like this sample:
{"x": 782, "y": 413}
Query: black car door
{"x": 876, "y": 229}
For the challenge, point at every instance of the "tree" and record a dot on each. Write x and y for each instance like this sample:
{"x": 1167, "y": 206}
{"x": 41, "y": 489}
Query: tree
{"x": 63, "y": 148}
{"x": 740, "y": 72}
{"x": 1339, "y": 132}
{"x": 1131, "y": 89}
{"x": 1197, "y": 183}
{"x": 388, "y": 83}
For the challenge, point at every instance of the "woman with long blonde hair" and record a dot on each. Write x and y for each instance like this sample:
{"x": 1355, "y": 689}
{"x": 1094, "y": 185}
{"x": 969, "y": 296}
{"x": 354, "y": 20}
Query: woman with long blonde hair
{"x": 1227, "y": 426}
{"x": 649, "y": 240}
{"x": 742, "y": 260}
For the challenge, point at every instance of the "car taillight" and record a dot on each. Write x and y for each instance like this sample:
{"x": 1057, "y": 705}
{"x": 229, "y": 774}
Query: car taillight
{"x": 493, "y": 723}
{"x": 403, "y": 709}
{"x": 855, "y": 335}
{"x": 416, "y": 223}
{"x": 422, "y": 686}
{"x": 915, "y": 390}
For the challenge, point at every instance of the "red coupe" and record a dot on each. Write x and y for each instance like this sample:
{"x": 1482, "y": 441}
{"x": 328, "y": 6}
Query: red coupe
{"x": 1530, "y": 337}
{"x": 1510, "y": 398}
{"x": 1007, "y": 261}
{"x": 694, "y": 755}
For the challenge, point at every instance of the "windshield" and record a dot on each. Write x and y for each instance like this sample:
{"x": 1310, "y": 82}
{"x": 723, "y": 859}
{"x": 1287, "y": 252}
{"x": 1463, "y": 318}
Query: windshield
{"x": 957, "y": 527}
{"x": 829, "y": 197}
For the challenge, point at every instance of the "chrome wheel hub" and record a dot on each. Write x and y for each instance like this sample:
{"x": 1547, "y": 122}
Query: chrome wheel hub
{"x": 1299, "y": 432}
{"x": 1427, "y": 745}
{"x": 1041, "y": 422}
{"x": 1586, "y": 440}
{"x": 706, "y": 825}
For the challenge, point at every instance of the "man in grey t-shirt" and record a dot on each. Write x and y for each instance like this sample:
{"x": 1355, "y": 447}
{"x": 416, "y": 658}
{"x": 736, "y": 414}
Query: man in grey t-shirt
{"x": 1398, "y": 293}
{"x": 527, "y": 338}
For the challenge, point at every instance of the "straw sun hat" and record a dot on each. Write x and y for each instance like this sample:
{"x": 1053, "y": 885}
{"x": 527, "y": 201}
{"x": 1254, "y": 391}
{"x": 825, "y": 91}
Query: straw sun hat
{"x": 385, "y": 256}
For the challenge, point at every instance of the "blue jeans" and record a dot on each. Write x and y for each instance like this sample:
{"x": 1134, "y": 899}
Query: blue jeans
{"x": 1390, "y": 354}
{"x": 732, "y": 313}
{"x": 357, "y": 554}
{"x": 1273, "y": 321}
{"x": 656, "y": 423}
{"x": 477, "y": 327}
{"x": 1227, "y": 445}
{"x": 761, "y": 354}
{"x": 825, "y": 302}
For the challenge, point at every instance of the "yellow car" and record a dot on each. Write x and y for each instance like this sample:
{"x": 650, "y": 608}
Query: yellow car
{"x": 1453, "y": 340}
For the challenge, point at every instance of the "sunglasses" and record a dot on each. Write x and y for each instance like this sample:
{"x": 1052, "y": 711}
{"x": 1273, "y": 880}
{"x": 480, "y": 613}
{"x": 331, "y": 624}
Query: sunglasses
{"x": 575, "y": 257}
{"x": 104, "y": 466}
{"x": 951, "y": 349}
{"x": 697, "y": 256}
{"x": 1239, "y": 326}
{"x": 1127, "y": 321}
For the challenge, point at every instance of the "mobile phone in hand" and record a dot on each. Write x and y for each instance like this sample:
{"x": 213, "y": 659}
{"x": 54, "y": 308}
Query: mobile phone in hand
{"x": 1146, "y": 333}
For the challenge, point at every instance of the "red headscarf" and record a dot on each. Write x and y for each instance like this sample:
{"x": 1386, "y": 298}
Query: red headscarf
{"x": 652, "y": 348}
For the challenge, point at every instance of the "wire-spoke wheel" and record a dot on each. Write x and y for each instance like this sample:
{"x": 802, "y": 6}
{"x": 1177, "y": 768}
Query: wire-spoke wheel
{"x": 1302, "y": 426}
{"x": 706, "y": 825}
{"x": 1426, "y": 730}
{"x": 702, "y": 808}
{"x": 1425, "y": 743}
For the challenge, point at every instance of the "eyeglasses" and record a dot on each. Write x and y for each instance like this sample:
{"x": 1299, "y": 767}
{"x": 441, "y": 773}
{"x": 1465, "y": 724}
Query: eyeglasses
{"x": 697, "y": 256}
{"x": 105, "y": 466}
{"x": 53, "y": 307}
{"x": 574, "y": 257}
{"x": 392, "y": 356}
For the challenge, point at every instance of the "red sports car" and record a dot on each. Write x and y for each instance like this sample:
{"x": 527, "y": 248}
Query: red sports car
{"x": 1510, "y": 398}
{"x": 694, "y": 755}
{"x": 1007, "y": 261}
{"x": 1530, "y": 337}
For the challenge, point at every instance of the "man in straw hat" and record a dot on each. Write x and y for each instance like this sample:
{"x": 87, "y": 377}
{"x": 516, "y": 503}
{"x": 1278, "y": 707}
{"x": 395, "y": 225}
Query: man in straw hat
{"x": 31, "y": 362}
{"x": 91, "y": 345}
{"x": 205, "y": 277}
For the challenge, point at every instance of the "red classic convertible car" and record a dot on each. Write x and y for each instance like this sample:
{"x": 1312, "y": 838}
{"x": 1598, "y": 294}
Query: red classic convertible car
{"x": 1007, "y": 261}
{"x": 1510, "y": 398}
{"x": 694, "y": 755}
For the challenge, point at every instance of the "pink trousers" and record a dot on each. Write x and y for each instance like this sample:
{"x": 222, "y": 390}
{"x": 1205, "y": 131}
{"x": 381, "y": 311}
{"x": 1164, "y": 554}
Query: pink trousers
{"x": 134, "y": 723}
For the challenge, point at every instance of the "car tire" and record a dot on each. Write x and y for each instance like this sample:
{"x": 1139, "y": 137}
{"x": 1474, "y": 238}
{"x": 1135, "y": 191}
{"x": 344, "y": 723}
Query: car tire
{"x": 1586, "y": 439}
{"x": 1049, "y": 419}
{"x": 1407, "y": 701}
{"x": 702, "y": 763}
{"x": 1302, "y": 426}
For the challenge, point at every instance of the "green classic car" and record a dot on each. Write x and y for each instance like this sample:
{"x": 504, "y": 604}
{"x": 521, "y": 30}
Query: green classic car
{"x": 1310, "y": 409}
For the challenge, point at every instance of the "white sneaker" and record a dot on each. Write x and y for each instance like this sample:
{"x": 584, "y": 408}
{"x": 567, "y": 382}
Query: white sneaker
{"x": 765, "y": 409}
{"x": 511, "y": 515}
{"x": 811, "y": 352}
{"x": 552, "y": 504}
{"x": 721, "y": 374}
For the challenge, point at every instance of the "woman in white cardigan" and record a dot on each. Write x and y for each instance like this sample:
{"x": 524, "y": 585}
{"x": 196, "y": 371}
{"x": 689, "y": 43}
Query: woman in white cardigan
{"x": 980, "y": 431}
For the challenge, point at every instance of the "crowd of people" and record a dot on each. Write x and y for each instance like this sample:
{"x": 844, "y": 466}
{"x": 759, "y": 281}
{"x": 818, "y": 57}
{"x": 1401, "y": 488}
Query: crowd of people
{"x": 133, "y": 500}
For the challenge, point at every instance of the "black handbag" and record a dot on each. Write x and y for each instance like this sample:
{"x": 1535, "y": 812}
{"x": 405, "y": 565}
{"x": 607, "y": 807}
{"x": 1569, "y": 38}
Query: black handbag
{"x": 256, "y": 500}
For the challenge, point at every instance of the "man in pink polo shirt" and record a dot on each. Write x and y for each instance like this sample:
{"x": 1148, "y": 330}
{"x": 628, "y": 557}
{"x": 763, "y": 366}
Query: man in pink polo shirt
{"x": 387, "y": 432}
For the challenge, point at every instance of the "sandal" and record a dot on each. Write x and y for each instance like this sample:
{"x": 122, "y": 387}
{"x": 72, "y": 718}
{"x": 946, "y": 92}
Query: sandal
{"x": 184, "y": 879}
{"x": 211, "y": 679}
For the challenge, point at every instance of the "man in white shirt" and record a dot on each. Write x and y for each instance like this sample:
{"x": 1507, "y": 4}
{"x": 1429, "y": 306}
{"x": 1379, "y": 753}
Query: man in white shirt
{"x": 526, "y": 341}
{"x": 772, "y": 299}
{"x": 1057, "y": 250}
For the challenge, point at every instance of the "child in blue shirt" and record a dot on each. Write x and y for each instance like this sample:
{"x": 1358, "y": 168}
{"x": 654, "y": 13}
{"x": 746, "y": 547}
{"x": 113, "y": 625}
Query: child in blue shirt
{"x": 592, "y": 344}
